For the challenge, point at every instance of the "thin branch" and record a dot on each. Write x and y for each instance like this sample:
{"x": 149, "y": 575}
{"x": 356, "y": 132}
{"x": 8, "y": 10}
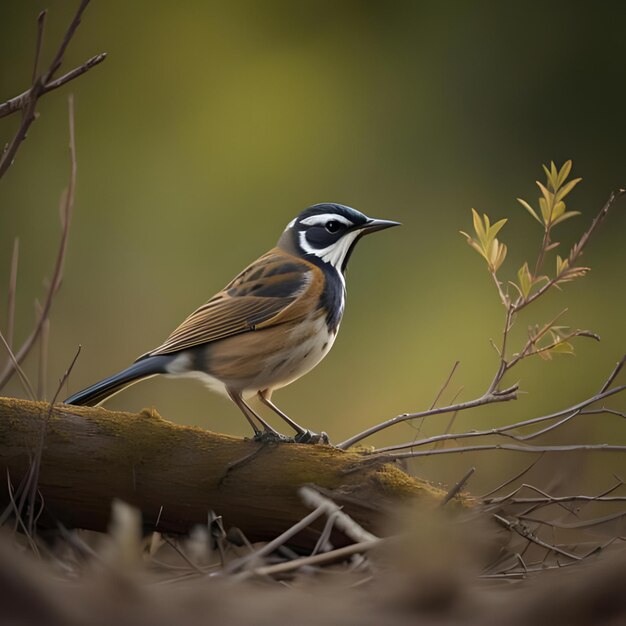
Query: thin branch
{"x": 65, "y": 42}
{"x": 614, "y": 374}
{"x": 42, "y": 371}
{"x": 41, "y": 26}
{"x": 524, "y": 532}
{"x": 27, "y": 102}
{"x": 457, "y": 488}
{"x": 318, "y": 559}
{"x": 504, "y": 430}
{"x": 273, "y": 545}
{"x": 590, "y": 447}
{"x": 11, "y": 295}
{"x": 28, "y": 388}
{"x": 502, "y": 396}
{"x": 57, "y": 276}
{"x": 32, "y": 485}
{"x": 509, "y": 481}
{"x": 556, "y": 499}
{"x": 445, "y": 384}
{"x": 18, "y": 102}
{"x": 356, "y": 532}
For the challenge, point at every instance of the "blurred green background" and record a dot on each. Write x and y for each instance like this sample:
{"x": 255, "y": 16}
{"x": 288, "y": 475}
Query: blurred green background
{"x": 212, "y": 124}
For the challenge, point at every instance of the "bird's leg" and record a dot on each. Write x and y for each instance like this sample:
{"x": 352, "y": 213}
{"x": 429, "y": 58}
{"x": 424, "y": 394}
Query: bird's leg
{"x": 268, "y": 432}
{"x": 237, "y": 399}
{"x": 303, "y": 434}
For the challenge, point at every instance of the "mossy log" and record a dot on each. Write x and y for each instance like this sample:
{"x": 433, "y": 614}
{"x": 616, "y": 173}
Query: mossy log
{"x": 176, "y": 474}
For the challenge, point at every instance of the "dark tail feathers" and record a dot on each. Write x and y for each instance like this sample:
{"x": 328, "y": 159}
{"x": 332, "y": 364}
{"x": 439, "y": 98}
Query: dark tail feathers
{"x": 146, "y": 367}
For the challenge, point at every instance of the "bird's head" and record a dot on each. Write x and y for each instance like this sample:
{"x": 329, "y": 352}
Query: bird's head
{"x": 329, "y": 232}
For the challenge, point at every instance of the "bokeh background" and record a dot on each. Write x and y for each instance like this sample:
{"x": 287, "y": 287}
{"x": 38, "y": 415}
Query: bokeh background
{"x": 211, "y": 124}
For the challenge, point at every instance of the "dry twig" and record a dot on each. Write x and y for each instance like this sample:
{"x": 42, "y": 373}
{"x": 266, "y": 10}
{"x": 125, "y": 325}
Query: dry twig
{"x": 41, "y": 84}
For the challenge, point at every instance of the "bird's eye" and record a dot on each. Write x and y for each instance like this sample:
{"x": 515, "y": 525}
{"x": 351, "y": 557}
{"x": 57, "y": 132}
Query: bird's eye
{"x": 333, "y": 226}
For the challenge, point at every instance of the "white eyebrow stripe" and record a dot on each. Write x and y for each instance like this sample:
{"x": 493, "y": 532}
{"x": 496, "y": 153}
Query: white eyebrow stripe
{"x": 290, "y": 225}
{"x": 318, "y": 220}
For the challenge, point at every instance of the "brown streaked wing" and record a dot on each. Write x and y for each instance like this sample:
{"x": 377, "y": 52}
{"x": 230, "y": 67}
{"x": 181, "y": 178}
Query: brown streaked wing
{"x": 267, "y": 292}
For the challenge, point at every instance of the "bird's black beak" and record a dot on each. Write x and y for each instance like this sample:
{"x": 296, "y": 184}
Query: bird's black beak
{"x": 373, "y": 225}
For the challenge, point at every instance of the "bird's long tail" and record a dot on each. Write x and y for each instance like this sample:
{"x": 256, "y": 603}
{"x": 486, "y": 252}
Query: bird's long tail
{"x": 99, "y": 392}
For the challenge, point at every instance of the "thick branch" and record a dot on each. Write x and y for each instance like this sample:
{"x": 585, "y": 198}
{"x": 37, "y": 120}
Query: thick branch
{"x": 176, "y": 475}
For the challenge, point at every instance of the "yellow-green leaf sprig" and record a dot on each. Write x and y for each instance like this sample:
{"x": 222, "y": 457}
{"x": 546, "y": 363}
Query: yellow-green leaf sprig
{"x": 486, "y": 243}
{"x": 552, "y": 206}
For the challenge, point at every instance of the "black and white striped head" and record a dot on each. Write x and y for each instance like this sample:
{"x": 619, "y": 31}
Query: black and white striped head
{"x": 329, "y": 232}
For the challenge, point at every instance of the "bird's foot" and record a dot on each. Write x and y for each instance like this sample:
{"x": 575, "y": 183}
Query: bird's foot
{"x": 271, "y": 436}
{"x": 308, "y": 436}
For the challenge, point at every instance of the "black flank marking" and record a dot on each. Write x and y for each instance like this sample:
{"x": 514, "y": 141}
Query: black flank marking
{"x": 325, "y": 346}
{"x": 284, "y": 268}
{"x": 283, "y": 288}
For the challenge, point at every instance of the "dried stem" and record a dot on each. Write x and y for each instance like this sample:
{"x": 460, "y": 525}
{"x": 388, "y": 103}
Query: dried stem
{"x": 12, "y": 292}
{"x": 504, "y": 430}
{"x": 502, "y": 396}
{"x": 67, "y": 205}
{"x": 42, "y": 84}
{"x": 318, "y": 559}
{"x": 590, "y": 447}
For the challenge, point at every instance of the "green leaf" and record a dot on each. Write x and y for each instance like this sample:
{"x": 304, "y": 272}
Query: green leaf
{"x": 495, "y": 229}
{"x": 529, "y": 209}
{"x": 478, "y": 225}
{"x": 546, "y": 194}
{"x": 557, "y": 211}
{"x": 564, "y": 173}
{"x": 563, "y": 191}
{"x": 525, "y": 280}
{"x": 565, "y": 216}
{"x": 553, "y": 176}
{"x": 564, "y": 347}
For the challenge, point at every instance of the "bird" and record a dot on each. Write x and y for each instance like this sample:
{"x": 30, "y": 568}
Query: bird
{"x": 273, "y": 323}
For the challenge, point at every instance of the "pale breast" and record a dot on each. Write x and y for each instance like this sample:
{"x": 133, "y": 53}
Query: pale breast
{"x": 307, "y": 344}
{"x": 269, "y": 358}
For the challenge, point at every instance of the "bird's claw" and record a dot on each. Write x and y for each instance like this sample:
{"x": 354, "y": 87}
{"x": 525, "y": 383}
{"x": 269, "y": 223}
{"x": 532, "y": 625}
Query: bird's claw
{"x": 268, "y": 436}
{"x": 308, "y": 436}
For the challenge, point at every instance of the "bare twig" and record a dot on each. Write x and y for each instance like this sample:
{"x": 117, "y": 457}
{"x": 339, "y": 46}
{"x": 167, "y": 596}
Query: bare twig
{"x": 510, "y": 480}
{"x": 41, "y": 25}
{"x": 504, "y": 430}
{"x": 273, "y": 545}
{"x": 41, "y": 84}
{"x": 182, "y": 554}
{"x": 42, "y": 373}
{"x": 32, "y": 486}
{"x": 67, "y": 206}
{"x": 589, "y": 447}
{"x": 523, "y": 531}
{"x": 617, "y": 369}
{"x": 502, "y": 396}
{"x": 457, "y": 488}
{"x": 28, "y": 388}
{"x": 445, "y": 384}
{"x": 18, "y": 102}
{"x": 12, "y": 292}
{"x": 313, "y": 498}
{"x": 318, "y": 559}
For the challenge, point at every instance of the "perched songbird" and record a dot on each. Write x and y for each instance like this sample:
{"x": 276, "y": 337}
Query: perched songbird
{"x": 272, "y": 324}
